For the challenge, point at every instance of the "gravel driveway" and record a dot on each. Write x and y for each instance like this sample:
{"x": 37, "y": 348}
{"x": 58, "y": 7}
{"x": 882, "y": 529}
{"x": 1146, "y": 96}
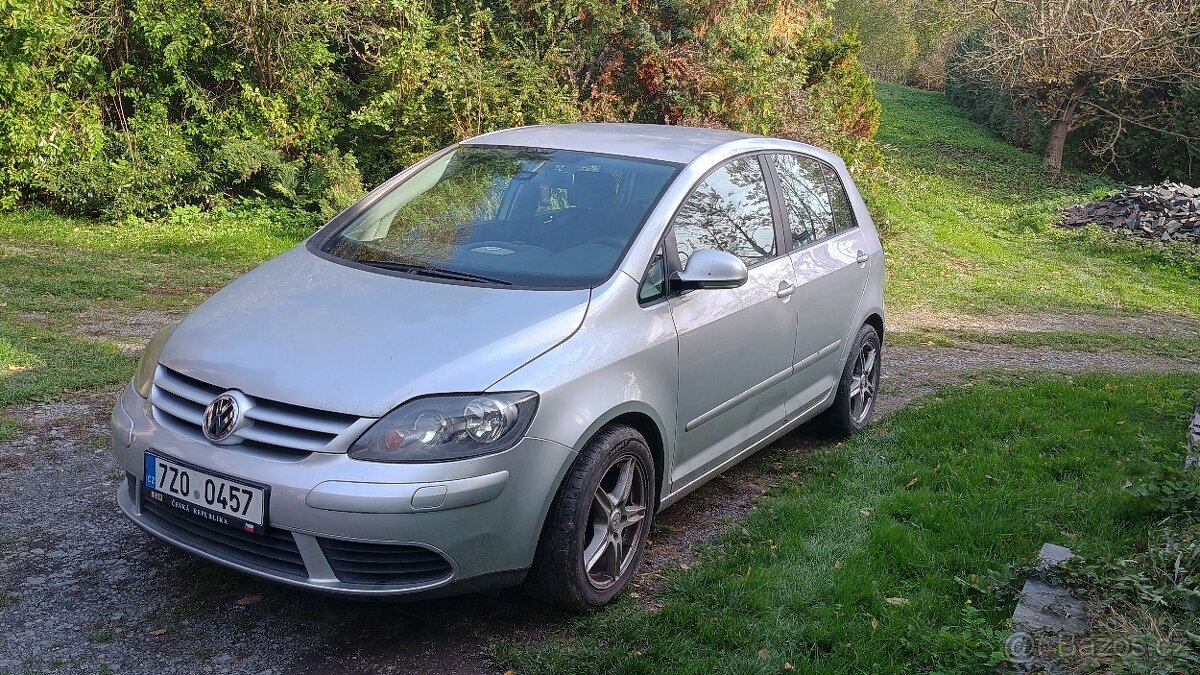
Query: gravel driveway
{"x": 84, "y": 591}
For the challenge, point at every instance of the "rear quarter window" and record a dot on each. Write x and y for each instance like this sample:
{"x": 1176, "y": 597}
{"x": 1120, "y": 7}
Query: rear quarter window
{"x": 843, "y": 212}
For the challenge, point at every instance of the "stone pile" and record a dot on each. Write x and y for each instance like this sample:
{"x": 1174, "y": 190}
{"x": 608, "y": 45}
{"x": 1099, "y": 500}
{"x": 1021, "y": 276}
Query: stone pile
{"x": 1169, "y": 212}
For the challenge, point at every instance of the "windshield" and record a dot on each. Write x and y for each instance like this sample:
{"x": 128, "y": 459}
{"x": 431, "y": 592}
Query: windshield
{"x": 509, "y": 216}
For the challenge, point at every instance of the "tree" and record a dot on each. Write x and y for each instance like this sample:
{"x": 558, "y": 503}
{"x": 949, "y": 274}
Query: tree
{"x": 1081, "y": 60}
{"x": 904, "y": 41}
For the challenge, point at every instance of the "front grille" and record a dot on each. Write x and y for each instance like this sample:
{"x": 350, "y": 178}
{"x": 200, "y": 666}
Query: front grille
{"x": 383, "y": 564}
{"x": 273, "y": 552}
{"x": 179, "y": 402}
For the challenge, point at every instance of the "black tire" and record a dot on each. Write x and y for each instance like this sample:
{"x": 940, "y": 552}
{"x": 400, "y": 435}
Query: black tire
{"x": 558, "y": 576}
{"x": 845, "y": 418}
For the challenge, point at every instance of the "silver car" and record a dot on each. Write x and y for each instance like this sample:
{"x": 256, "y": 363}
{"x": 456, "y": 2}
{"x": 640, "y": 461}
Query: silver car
{"x": 498, "y": 366}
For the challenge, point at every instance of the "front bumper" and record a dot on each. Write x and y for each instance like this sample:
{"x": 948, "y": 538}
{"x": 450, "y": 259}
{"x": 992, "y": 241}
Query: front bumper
{"x": 350, "y": 527}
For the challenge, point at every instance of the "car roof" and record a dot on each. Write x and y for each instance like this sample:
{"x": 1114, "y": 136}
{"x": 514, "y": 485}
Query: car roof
{"x": 649, "y": 141}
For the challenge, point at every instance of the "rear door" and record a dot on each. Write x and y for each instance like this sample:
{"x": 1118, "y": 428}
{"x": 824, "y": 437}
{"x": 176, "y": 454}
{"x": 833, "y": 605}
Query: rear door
{"x": 829, "y": 258}
{"x": 735, "y": 345}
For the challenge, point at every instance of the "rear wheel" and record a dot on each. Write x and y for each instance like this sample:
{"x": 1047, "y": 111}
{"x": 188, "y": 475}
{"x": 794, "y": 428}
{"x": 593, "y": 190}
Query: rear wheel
{"x": 598, "y": 524}
{"x": 858, "y": 387}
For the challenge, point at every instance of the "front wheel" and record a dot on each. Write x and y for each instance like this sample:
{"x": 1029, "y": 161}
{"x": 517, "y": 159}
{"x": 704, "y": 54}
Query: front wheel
{"x": 598, "y": 524}
{"x": 858, "y": 387}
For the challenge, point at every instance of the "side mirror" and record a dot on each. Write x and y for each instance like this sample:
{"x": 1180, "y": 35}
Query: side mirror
{"x": 711, "y": 269}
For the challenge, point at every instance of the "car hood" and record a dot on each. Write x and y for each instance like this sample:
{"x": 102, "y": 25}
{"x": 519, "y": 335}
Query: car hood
{"x": 304, "y": 330}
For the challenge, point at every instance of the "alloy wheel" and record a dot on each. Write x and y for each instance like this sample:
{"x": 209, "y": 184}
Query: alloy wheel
{"x": 616, "y": 521}
{"x": 864, "y": 381}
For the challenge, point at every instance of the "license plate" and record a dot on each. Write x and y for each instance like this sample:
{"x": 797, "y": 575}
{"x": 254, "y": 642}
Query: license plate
{"x": 205, "y": 494}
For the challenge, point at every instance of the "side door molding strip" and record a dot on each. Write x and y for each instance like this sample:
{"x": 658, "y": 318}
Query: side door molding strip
{"x": 764, "y": 385}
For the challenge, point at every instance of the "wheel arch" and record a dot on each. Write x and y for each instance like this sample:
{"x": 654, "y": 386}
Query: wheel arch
{"x": 643, "y": 419}
{"x": 875, "y": 320}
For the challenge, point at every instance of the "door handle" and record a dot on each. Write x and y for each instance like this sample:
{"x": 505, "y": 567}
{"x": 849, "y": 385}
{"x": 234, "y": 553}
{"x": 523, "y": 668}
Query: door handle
{"x": 786, "y": 288}
{"x": 862, "y": 258}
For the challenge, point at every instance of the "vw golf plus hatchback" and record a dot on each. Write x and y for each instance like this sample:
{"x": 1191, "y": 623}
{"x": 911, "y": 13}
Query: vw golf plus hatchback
{"x": 500, "y": 364}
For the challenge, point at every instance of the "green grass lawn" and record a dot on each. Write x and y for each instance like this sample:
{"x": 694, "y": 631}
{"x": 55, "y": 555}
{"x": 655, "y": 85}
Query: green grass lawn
{"x": 968, "y": 223}
{"x": 877, "y": 556}
{"x": 54, "y": 269}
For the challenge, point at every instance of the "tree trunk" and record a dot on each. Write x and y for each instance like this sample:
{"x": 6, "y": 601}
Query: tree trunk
{"x": 1055, "y": 142}
{"x": 1060, "y": 126}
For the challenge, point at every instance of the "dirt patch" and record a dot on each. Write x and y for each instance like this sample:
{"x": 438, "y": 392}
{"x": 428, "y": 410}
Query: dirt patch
{"x": 912, "y": 372}
{"x": 39, "y": 319}
{"x": 1146, "y": 325}
{"x": 64, "y": 428}
{"x": 129, "y": 329}
{"x": 198, "y": 292}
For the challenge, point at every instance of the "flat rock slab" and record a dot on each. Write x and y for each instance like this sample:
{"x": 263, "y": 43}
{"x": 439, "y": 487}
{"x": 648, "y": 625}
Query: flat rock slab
{"x": 1046, "y": 607}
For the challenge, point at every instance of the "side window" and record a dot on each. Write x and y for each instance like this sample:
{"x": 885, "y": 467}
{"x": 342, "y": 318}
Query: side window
{"x": 730, "y": 212}
{"x": 843, "y": 213}
{"x": 654, "y": 285}
{"x": 810, "y": 215}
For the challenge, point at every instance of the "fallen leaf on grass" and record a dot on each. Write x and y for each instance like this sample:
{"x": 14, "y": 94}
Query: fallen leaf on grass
{"x": 864, "y": 512}
{"x": 874, "y": 623}
{"x": 763, "y": 654}
{"x": 1126, "y": 485}
{"x": 911, "y": 483}
{"x": 896, "y": 601}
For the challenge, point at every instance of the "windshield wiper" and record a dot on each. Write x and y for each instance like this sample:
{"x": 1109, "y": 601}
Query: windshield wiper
{"x": 436, "y": 272}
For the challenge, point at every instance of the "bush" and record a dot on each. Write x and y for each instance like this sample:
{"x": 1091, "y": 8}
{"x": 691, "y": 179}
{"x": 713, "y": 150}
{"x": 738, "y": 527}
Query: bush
{"x": 151, "y": 163}
{"x": 127, "y": 107}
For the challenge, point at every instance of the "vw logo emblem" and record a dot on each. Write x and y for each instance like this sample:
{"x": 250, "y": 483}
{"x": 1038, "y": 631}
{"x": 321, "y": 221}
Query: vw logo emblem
{"x": 221, "y": 418}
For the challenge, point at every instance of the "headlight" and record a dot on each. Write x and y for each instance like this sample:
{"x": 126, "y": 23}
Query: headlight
{"x": 149, "y": 363}
{"x": 442, "y": 428}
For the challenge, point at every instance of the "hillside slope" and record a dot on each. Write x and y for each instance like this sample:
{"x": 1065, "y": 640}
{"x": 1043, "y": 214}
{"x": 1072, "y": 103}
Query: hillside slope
{"x": 969, "y": 226}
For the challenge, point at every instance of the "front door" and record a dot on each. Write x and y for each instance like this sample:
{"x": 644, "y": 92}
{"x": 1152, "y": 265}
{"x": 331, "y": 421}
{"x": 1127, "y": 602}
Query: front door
{"x": 735, "y": 345}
